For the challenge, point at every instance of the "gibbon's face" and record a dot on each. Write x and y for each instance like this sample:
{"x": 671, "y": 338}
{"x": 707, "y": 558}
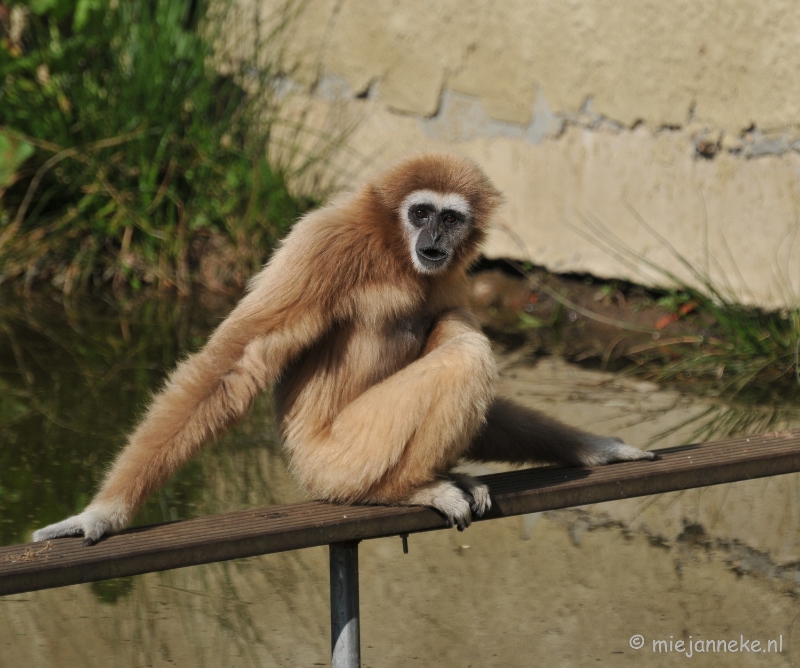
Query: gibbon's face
{"x": 435, "y": 224}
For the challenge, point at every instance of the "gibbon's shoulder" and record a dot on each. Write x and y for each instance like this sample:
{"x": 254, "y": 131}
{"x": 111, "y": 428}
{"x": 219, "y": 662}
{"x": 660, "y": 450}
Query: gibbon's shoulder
{"x": 353, "y": 233}
{"x": 351, "y": 242}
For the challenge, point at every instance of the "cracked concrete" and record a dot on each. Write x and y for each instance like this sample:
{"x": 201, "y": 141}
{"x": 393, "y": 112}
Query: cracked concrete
{"x": 684, "y": 118}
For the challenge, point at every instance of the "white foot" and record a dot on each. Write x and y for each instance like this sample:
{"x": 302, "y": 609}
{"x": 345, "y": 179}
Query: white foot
{"x": 607, "y": 449}
{"x": 449, "y": 499}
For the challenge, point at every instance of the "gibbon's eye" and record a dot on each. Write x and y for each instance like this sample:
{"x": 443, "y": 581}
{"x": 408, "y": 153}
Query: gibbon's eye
{"x": 418, "y": 214}
{"x": 450, "y": 218}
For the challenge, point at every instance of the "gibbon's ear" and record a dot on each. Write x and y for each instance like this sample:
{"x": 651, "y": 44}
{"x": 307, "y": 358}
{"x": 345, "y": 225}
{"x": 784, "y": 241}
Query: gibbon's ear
{"x": 443, "y": 173}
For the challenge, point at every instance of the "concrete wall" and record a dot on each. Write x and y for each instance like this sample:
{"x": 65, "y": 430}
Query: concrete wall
{"x": 681, "y": 116}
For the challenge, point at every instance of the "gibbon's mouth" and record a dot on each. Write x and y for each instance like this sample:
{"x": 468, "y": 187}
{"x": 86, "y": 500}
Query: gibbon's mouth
{"x": 432, "y": 256}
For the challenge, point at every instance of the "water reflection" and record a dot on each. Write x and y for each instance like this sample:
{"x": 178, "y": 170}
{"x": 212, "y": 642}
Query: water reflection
{"x": 567, "y": 588}
{"x": 73, "y": 380}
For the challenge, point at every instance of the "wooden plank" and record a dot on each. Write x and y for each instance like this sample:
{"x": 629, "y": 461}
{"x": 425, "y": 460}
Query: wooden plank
{"x": 279, "y": 528}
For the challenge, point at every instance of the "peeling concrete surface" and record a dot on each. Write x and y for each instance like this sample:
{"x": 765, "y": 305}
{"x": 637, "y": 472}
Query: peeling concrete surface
{"x": 684, "y": 115}
{"x": 730, "y": 65}
{"x": 597, "y": 199}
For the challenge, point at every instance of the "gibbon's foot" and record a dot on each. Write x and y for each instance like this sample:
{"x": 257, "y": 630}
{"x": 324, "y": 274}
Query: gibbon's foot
{"x": 89, "y": 524}
{"x": 481, "y": 502}
{"x": 607, "y": 449}
{"x": 449, "y": 499}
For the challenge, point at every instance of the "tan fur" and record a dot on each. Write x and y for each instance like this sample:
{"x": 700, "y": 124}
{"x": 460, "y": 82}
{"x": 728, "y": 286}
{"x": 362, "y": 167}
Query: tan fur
{"x": 328, "y": 312}
{"x": 383, "y": 378}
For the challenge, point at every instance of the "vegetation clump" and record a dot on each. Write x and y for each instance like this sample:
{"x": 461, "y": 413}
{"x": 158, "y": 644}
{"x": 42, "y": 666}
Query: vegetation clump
{"x": 737, "y": 351}
{"x": 125, "y": 156}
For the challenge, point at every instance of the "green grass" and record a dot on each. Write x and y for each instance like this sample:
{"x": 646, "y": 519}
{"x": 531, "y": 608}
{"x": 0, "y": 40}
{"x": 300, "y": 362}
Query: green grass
{"x": 126, "y": 159}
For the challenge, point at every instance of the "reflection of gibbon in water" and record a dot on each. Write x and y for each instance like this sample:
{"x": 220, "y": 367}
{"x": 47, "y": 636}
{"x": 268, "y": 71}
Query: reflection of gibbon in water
{"x": 384, "y": 380}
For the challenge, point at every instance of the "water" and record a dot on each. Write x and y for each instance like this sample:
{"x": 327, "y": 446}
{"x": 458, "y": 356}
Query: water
{"x": 565, "y": 588}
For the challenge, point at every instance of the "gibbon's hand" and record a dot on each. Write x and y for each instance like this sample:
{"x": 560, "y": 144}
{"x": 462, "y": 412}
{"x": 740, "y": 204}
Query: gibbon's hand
{"x": 91, "y": 524}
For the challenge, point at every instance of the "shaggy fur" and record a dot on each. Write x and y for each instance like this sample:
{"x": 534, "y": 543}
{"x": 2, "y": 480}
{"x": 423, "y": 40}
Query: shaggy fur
{"x": 383, "y": 378}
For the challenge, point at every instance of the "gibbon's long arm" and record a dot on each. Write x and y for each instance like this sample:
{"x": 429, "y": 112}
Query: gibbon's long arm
{"x": 205, "y": 393}
{"x": 193, "y": 408}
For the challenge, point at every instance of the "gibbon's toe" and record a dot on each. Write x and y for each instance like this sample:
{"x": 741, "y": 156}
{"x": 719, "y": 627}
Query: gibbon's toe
{"x": 450, "y": 500}
{"x": 627, "y": 453}
{"x": 455, "y": 506}
{"x": 479, "y": 499}
{"x": 649, "y": 456}
{"x": 68, "y": 527}
{"x": 60, "y": 529}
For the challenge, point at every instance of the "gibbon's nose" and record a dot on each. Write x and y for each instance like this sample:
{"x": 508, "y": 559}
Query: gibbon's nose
{"x": 429, "y": 236}
{"x": 435, "y": 230}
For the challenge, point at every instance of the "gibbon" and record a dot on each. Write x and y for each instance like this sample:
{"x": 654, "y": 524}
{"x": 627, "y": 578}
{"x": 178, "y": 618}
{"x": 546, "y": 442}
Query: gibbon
{"x": 383, "y": 379}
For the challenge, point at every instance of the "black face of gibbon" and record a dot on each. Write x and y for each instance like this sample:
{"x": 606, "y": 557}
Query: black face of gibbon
{"x": 435, "y": 241}
{"x": 435, "y": 224}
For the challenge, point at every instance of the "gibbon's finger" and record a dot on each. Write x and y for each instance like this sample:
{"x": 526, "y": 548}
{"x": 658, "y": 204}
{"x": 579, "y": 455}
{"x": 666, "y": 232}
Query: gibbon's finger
{"x": 67, "y": 527}
{"x": 88, "y": 524}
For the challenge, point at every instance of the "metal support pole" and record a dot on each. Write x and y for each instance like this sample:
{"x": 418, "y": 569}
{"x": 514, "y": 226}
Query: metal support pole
{"x": 345, "y": 622}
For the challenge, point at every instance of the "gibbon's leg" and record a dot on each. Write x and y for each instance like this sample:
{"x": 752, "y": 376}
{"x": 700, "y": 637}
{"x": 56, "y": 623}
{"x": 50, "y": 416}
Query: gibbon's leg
{"x": 521, "y": 435}
{"x": 396, "y": 442}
